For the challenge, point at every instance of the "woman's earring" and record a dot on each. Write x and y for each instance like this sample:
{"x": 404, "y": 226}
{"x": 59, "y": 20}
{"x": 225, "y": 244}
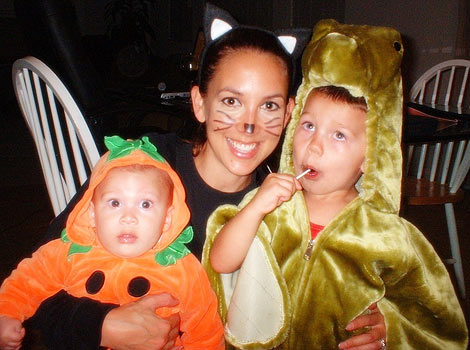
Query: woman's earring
{"x": 249, "y": 128}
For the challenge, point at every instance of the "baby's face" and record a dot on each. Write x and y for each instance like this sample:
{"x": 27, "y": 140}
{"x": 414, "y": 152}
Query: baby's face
{"x": 330, "y": 140}
{"x": 130, "y": 210}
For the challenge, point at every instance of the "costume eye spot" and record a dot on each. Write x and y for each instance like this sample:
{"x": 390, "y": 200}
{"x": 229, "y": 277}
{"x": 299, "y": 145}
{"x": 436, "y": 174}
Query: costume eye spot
{"x": 138, "y": 286}
{"x": 397, "y": 45}
{"x": 95, "y": 282}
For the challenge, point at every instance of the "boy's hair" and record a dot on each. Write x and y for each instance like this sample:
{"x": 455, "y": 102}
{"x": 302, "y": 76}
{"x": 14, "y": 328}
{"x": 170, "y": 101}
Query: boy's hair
{"x": 341, "y": 94}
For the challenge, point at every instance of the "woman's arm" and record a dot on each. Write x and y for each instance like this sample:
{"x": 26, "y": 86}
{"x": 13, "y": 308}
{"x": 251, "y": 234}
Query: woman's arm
{"x": 66, "y": 322}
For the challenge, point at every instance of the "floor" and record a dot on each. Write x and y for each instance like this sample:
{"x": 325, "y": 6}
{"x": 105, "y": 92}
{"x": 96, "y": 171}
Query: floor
{"x": 25, "y": 210}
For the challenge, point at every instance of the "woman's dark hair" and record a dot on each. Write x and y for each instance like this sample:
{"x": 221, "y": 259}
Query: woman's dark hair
{"x": 240, "y": 38}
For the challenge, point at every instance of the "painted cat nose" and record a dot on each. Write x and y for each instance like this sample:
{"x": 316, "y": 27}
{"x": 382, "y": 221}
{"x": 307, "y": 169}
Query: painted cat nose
{"x": 249, "y": 128}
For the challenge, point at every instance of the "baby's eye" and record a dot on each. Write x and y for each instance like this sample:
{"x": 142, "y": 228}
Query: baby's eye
{"x": 308, "y": 126}
{"x": 146, "y": 204}
{"x": 271, "y": 106}
{"x": 231, "y": 101}
{"x": 114, "y": 203}
{"x": 339, "y": 136}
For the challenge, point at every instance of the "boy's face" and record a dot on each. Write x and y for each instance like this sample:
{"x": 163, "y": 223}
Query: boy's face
{"x": 130, "y": 210}
{"x": 330, "y": 139}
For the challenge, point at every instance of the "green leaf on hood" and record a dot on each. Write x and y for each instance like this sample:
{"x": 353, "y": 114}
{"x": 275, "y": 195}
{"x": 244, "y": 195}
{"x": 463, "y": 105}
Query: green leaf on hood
{"x": 118, "y": 147}
{"x": 175, "y": 250}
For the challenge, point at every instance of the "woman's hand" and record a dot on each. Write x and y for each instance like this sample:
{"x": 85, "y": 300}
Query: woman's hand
{"x": 11, "y": 333}
{"x": 135, "y": 326}
{"x": 374, "y": 338}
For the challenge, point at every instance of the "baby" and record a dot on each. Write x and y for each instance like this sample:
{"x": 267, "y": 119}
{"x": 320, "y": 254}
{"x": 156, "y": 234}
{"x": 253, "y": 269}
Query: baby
{"x": 124, "y": 239}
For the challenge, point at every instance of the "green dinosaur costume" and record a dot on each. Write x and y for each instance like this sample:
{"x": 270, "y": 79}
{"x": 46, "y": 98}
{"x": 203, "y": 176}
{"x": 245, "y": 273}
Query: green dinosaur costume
{"x": 366, "y": 254}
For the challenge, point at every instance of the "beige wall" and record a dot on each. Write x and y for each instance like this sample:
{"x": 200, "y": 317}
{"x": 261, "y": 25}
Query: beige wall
{"x": 428, "y": 28}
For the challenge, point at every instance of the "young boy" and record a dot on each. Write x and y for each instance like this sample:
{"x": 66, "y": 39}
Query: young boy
{"x": 314, "y": 251}
{"x": 124, "y": 239}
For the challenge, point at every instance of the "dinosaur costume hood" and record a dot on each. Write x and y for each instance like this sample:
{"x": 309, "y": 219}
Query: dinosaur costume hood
{"x": 366, "y": 254}
{"x": 124, "y": 153}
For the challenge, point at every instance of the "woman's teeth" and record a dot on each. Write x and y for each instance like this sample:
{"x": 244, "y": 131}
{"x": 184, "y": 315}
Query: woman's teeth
{"x": 242, "y": 147}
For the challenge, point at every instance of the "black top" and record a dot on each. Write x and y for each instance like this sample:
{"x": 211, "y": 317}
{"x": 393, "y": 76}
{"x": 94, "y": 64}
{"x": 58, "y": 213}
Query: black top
{"x": 200, "y": 197}
{"x": 63, "y": 319}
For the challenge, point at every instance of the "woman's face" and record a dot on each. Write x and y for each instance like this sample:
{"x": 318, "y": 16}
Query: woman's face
{"x": 246, "y": 108}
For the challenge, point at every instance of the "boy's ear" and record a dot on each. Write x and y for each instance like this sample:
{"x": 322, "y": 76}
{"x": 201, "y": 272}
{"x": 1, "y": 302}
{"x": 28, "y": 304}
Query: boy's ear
{"x": 363, "y": 166}
{"x": 289, "y": 109}
{"x": 91, "y": 214}
{"x": 168, "y": 218}
{"x": 198, "y": 104}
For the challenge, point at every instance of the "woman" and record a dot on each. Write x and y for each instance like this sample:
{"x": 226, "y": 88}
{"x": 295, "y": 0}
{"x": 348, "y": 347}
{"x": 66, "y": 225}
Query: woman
{"x": 242, "y": 99}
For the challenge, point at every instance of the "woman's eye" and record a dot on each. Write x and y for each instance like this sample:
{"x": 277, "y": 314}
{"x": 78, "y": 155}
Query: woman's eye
{"x": 339, "y": 136}
{"x": 114, "y": 203}
{"x": 146, "y": 204}
{"x": 230, "y": 101}
{"x": 271, "y": 106}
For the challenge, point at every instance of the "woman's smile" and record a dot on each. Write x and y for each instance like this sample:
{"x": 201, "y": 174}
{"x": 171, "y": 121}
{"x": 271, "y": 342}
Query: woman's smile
{"x": 242, "y": 149}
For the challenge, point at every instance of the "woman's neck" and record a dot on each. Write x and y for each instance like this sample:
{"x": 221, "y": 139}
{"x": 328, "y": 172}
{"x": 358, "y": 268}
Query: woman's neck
{"x": 217, "y": 176}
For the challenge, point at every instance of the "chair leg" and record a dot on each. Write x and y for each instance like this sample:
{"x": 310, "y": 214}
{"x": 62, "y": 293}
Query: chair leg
{"x": 455, "y": 247}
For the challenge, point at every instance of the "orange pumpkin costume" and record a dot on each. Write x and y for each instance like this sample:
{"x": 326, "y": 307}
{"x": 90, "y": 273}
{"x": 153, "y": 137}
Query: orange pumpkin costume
{"x": 78, "y": 264}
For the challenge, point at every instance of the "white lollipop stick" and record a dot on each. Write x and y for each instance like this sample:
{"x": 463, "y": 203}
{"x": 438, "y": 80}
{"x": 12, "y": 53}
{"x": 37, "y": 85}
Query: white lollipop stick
{"x": 302, "y": 174}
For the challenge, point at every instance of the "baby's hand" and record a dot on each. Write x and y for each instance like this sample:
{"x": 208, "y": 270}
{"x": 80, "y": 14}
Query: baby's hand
{"x": 276, "y": 188}
{"x": 11, "y": 333}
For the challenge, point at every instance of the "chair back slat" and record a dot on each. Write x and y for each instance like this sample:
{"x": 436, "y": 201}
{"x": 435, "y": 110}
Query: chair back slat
{"x": 435, "y": 161}
{"x": 422, "y": 160}
{"x": 435, "y": 90}
{"x": 66, "y": 149}
{"x": 69, "y": 185}
{"x": 446, "y": 162}
{"x": 450, "y": 85}
{"x": 76, "y": 150}
{"x": 461, "y": 167}
{"x": 463, "y": 88}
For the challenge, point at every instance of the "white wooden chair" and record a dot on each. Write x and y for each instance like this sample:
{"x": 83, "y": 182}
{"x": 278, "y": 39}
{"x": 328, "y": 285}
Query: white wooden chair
{"x": 66, "y": 148}
{"x": 436, "y": 170}
{"x": 444, "y": 86}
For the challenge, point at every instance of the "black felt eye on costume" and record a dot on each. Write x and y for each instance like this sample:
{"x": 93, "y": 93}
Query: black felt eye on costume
{"x": 138, "y": 286}
{"x": 397, "y": 45}
{"x": 95, "y": 282}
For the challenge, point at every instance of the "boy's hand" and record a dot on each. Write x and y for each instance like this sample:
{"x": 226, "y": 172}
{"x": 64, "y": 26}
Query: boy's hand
{"x": 374, "y": 338}
{"x": 276, "y": 188}
{"x": 11, "y": 333}
{"x": 135, "y": 326}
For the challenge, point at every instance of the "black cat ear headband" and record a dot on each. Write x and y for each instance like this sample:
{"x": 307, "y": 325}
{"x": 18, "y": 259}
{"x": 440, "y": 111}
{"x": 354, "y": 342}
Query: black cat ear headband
{"x": 218, "y": 22}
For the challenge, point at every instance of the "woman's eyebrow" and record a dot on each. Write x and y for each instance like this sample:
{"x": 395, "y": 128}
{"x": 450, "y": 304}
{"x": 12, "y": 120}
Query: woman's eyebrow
{"x": 231, "y": 90}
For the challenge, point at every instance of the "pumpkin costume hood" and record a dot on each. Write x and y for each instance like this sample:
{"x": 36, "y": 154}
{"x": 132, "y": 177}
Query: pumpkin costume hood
{"x": 366, "y": 254}
{"x": 125, "y": 153}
